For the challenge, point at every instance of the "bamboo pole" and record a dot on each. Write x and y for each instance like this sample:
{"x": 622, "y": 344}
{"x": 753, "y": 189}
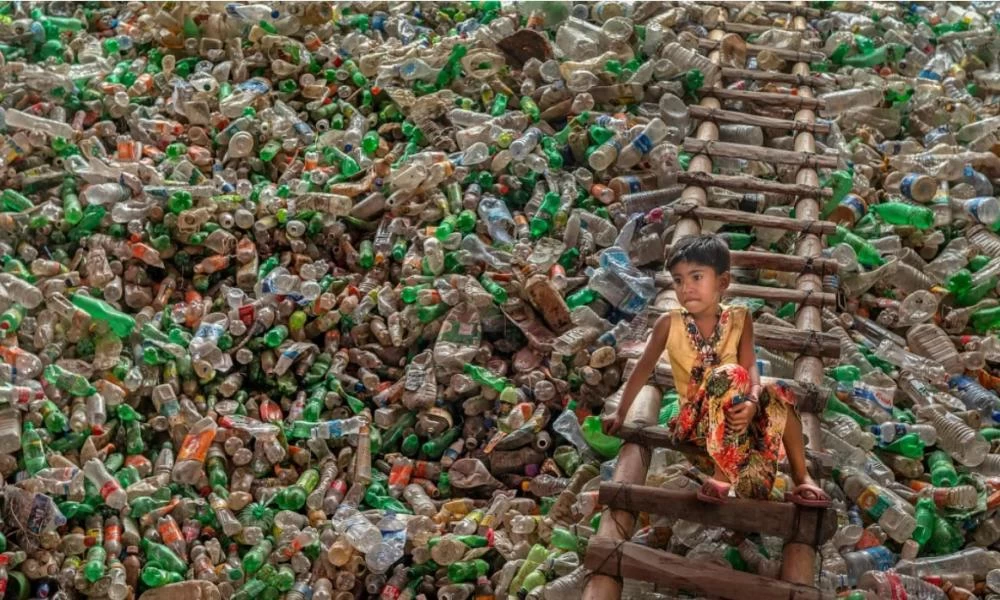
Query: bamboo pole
{"x": 753, "y": 49}
{"x": 741, "y": 118}
{"x": 746, "y": 183}
{"x": 764, "y": 98}
{"x": 633, "y": 460}
{"x": 799, "y": 559}
{"x": 771, "y": 155}
{"x": 625, "y": 559}
{"x": 782, "y": 519}
{"x": 809, "y": 297}
{"x": 776, "y": 77}
{"x": 768, "y": 260}
{"x": 742, "y": 217}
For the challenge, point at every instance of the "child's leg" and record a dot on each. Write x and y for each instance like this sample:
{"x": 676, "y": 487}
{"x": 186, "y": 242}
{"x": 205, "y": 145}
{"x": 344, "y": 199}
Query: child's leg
{"x": 805, "y": 487}
{"x": 728, "y": 452}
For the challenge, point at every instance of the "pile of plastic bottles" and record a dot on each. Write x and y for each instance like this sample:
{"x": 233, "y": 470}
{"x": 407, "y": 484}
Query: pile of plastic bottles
{"x": 310, "y": 300}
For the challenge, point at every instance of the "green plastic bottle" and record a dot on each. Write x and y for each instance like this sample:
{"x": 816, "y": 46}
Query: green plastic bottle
{"x": 605, "y": 445}
{"x": 155, "y": 577}
{"x": 909, "y": 445}
{"x": 120, "y": 323}
{"x": 257, "y": 556}
{"x": 461, "y": 572}
{"x": 33, "y": 449}
{"x": 94, "y": 567}
{"x": 899, "y": 213}
{"x": 987, "y": 319}
{"x": 163, "y": 556}
{"x": 485, "y": 377}
{"x": 294, "y": 496}
{"x": 942, "y": 469}
{"x": 867, "y": 254}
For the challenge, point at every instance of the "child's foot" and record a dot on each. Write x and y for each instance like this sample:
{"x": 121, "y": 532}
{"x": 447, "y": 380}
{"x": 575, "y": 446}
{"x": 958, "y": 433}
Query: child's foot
{"x": 714, "y": 491}
{"x": 809, "y": 494}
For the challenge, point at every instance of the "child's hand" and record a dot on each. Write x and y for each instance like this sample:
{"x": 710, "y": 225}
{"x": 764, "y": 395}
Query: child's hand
{"x": 739, "y": 416}
{"x": 612, "y": 423}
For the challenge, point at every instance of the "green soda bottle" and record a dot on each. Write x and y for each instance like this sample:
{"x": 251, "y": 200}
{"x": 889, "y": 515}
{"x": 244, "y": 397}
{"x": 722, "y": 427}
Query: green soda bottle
{"x": 899, "y": 213}
{"x": 867, "y": 254}
{"x": 163, "y": 556}
{"x": 120, "y": 323}
{"x": 255, "y": 558}
{"x": 33, "y": 449}
{"x": 942, "y": 469}
{"x": 294, "y": 496}
{"x": 155, "y": 577}
{"x": 461, "y": 572}
{"x": 909, "y": 445}
{"x": 985, "y": 320}
{"x": 926, "y": 516}
{"x": 94, "y": 568}
{"x": 485, "y": 377}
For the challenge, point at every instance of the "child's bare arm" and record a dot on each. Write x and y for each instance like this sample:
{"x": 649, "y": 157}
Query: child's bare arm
{"x": 738, "y": 418}
{"x": 640, "y": 376}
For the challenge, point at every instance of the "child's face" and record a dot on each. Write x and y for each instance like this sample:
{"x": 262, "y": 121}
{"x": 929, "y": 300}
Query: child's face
{"x": 699, "y": 288}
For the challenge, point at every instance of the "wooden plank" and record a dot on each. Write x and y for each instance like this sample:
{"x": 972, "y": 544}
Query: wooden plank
{"x": 731, "y": 116}
{"x": 746, "y": 183}
{"x": 731, "y": 73}
{"x": 812, "y": 297}
{"x": 782, "y": 519}
{"x": 770, "y": 260}
{"x": 764, "y": 98}
{"x": 626, "y": 559}
{"x": 771, "y": 155}
{"x": 617, "y": 524}
{"x": 753, "y": 49}
{"x": 743, "y": 217}
{"x": 799, "y": 560}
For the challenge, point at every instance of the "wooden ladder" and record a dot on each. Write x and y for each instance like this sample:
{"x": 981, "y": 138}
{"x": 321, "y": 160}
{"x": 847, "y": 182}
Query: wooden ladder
{"x": 610, "y": 555}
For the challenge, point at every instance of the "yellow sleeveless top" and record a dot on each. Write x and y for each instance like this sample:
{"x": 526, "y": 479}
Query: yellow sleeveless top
{"x": 682, "y": 352}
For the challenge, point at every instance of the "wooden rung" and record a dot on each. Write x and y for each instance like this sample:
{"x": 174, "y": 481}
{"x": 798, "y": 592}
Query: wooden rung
{"x": 730, "y": 116}
{"x": 817, "y": 298}
{"x": 782, "y": 53}
{"x": 812, "y": 526}
{"x": 746, "y": 183}
{"x": 626, "y": 559}
{"x": 780, "y": 339}
{"x": 771, "y": 155}
{"x": 798, "y": 80}
{"x": 738, "y": 27}
{"x": 765, "y": 98}
{"x": 777, "y": 262}
{"x": 808, "y": 399}
{"x": 783, "y": 8}
{"x": 742, "y": 217}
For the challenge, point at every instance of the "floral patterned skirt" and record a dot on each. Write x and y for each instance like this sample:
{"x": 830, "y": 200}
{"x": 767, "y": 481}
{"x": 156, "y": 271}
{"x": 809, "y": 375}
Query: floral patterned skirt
{"x": 749, "y": 459}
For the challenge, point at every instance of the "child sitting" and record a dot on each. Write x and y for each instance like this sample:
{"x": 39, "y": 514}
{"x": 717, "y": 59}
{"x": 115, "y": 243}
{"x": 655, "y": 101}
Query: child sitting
{"x": 723, "y": 407}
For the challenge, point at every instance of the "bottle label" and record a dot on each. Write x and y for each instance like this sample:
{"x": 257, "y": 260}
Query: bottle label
{"x": 872, "y": 502}
{"x": 905, "y": 186}
{"x": 643, "y": 143}
{"x": 973, "y": 206}
{"x": 884, "y": 560}
{"x": 633, "y": 183}
{"x": 896, "y": 589}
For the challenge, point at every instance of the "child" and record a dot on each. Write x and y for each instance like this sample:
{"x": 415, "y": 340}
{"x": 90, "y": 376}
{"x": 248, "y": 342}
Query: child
{"x": 723, "y": 407}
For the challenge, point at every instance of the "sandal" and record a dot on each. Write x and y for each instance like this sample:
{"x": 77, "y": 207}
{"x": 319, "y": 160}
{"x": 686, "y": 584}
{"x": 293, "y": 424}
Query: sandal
{"x": 714, "y": 491}
{"x": 809, "y": 495}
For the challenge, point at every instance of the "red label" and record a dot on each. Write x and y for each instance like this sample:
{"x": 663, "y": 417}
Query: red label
{"x": 109, "y": 488}
{"x": 246, "y": 314}
{"x": 390, "y": 592}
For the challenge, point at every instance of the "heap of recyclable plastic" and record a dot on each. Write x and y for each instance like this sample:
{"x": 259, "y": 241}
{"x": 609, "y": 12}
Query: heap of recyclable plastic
{"x": 320, "y": 300}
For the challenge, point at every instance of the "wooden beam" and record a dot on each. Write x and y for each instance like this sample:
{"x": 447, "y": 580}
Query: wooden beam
{"x": 791, "y": 78}
{"x": 731, "y": 116}
{"x": 809, "y": 525}
{"x": 770, "y": 260}
{"x": 626, "y": 559}
{"x": 753, "y": 49}
{"x": 764, "y": 98}
{"x": 743, "y": 217}
{"x": 746, "y": 183}
{"x": 771, "y": 155}
{"x": 798, "y": 559}
{"x": 812, "y": 297}
{"x": 617, "y": 524}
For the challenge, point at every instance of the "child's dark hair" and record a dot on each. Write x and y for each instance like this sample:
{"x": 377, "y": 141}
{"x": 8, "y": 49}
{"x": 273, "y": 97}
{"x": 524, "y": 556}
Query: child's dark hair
{"x": 704, "y": 249}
